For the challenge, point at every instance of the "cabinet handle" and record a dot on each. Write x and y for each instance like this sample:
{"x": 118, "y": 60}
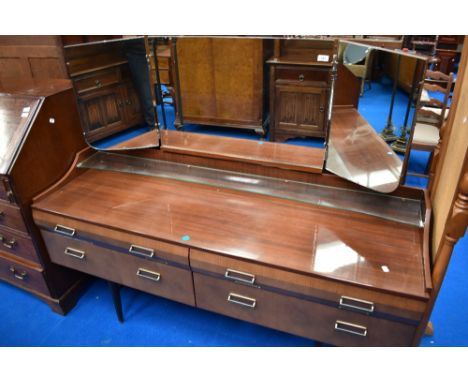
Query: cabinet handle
{"x": 8, "y": 243}
{"x": 355, "y": 304}
{"x": 239, "y": 276}
{"x": 140, "y": 251}
{"x": 346, "y": 327}
{"x": 301, "y": 77}
{"x": 322, "y": 109}
{"x": 67, "y": 231}
{"x": 19, "y": 275}
{"x": 69, "y": 251}
{"x": 98, "y": 83}
{"x": 248, "y": 302}
{"x": 149, "y": 275}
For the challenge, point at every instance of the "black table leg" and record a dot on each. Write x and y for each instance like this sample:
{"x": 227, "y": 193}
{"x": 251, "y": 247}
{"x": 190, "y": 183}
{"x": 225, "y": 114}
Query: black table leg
{"x": 115, "y": 288}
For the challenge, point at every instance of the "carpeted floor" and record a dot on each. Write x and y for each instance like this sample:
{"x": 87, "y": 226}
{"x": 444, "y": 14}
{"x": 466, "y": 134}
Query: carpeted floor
{"x": 153, "y": 321}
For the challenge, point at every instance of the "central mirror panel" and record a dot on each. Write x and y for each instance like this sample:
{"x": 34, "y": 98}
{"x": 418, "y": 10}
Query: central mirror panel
{"x": 114, "y": 93}
{"x": 264, "y": 100}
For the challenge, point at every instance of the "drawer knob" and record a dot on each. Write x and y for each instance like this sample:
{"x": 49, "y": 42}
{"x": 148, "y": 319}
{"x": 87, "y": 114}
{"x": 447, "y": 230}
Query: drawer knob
{"x": 232, "y": 274}
{"x": 238, "y": 299}
{"x": 301, "y": 77}
{"x": 141, "y": 251}
{"x": 149, "y": 275}
{"x": 98, "y": 83}
{"x": 355, "y": 304}
{"x": 20, "y": 275}
{"x": 76, "y": 253}
{"x": 67, "y": 231}
{"x": 8, "y": 243}
{"x": 346, "y": 327}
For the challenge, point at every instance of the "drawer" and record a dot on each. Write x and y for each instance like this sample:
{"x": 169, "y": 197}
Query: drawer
{"x": 97, "y": 80}
{"x": 120, "y": 241}
{"x": 18, "y": 244}
{"x": 293, "y": 315}
{"x": 10, "y": 216}
{"x": 22, "y": 274}
{"x": 303, "y": 75}
{"x": 336, "y": 294}
{"x": 147, "y": 275}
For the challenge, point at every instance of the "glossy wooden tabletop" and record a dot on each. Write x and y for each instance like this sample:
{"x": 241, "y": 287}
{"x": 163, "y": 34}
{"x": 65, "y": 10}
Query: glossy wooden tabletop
{"x": 347, "y": 246}
{"x": 358, "y": 154}
{"x": 272, "y": 154}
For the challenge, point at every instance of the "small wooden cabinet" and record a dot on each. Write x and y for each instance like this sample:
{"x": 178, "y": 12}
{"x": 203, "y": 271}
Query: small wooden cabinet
{"x": 300, "y": 83}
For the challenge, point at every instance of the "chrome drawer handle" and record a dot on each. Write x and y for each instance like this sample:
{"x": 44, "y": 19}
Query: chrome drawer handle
{"x": 19, "y": 275}
{"x": 234, "y": 298}
{"x": 355, "y": 304}
{"x": 141, "y": 251}
{"x": 8, "y": 243}
{"x": 346, "y": 327}
{"x": 67, "y": 231}
{"x": 146, "y": 274}
{"x": 239, "y": 276}
{"x": 74, "y": 253}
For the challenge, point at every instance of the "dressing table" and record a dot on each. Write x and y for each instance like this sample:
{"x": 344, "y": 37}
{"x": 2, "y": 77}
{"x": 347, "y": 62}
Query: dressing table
{"x": 243, "y": 229}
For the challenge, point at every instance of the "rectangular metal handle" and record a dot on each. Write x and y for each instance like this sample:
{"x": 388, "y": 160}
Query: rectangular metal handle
{"x": 67, "y": 231}
{"x": 150, "y": 275}
{"x": 238, "y": 299}
{"x": 355, "y": 304}
{"x": 239, "y": 276}
{"x": 346, "y": 327}
{"x": 141, "y": 251}
{"x": 74, "y": 253}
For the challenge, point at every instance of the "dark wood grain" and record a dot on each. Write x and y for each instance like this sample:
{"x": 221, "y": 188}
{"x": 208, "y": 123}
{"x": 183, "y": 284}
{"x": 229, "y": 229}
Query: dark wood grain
{"x": 10, "y": 216}
{"x": 284, "y": 156}
{"x": 307, "y": 239}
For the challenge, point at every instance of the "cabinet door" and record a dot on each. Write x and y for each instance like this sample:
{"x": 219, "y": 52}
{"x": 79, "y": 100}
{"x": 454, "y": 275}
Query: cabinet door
{"x": 300, "y": 110}
{"x": 133, "y": 110}
{"x": 102, "y": 113}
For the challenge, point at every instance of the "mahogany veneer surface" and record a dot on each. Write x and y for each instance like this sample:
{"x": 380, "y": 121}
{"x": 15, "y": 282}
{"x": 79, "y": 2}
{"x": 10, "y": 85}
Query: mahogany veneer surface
{"x": 345, "y": 246}
{"x": 286, "y": 156}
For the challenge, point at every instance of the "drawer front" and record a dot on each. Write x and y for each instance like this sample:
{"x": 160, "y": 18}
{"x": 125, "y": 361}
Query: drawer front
{"x": 302, "y": 75}
{"x": 149, "y": 276}
{"x": 296, "y": 316}
{"x": 10, "y": 216}
{"x": 97, "y": 80}
{"x": 22, "y": 275}
{"x": 119, "y": 240}
{"x": 18, "y": 244}
{"x": 360, "y": 300}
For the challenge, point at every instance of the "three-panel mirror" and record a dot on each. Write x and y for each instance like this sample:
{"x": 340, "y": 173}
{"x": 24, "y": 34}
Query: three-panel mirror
{"x": 313, "y": 103}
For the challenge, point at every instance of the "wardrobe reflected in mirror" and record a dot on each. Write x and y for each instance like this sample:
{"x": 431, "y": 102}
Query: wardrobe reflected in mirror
{"x": 114, "y": 93}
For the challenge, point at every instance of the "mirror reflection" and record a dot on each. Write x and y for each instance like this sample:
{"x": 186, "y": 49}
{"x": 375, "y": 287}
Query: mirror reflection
{"x": 257, "y": 89}
{"x": 115, "y": 98}
{"x": 369, "y": 137}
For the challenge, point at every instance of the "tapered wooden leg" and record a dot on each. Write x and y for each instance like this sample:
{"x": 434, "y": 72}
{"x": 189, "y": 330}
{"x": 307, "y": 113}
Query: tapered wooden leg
{"x": 429, "y": 329}
{"x": 115, "y": 289}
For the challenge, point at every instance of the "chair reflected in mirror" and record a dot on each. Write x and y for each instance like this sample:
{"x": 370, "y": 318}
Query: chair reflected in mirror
{"x": 432, "y": 111}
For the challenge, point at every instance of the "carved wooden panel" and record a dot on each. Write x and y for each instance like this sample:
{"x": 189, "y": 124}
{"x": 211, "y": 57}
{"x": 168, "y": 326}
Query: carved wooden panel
{"x": 132, "y": 105}
{"x": 288, "y": 106}
{"x": 311, "y": 104}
